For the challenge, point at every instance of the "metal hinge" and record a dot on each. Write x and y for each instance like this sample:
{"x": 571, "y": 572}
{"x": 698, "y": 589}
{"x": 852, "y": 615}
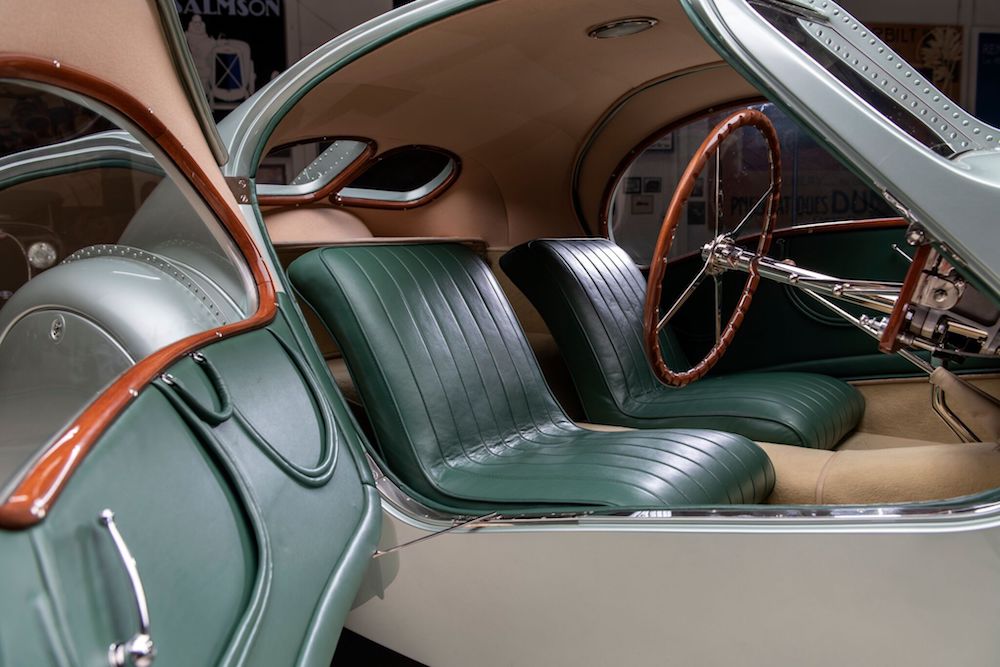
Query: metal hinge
{"x": 240, "y": 187}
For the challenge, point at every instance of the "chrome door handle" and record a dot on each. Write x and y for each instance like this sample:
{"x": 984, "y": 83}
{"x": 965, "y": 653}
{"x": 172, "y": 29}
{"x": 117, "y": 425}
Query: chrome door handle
{"x": 138, "y": 651}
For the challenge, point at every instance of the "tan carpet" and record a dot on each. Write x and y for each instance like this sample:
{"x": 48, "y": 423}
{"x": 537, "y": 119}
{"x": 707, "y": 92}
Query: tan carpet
{"x": 860, "y": 440}
{"x": 879, "y": 476}
{"x": 902, "y": 408}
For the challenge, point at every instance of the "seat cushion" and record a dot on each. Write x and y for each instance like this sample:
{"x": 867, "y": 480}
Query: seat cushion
{"x": 461, "y": 410}
{"x": 591, "y": 296}
{"x": 804, "y": 409}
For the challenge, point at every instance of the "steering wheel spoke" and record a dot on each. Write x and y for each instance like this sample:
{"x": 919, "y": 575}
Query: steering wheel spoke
{"x": 736, "y": 232}
{"x": 725, "y": 330}
{"x": 718, "y": 307}
{"x": 682, "y": 299}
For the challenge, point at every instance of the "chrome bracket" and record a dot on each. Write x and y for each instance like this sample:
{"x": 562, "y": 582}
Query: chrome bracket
{"x": 240, "y": 187}
{"x": 952, "y": 420}
{"x": 468, "y": 523}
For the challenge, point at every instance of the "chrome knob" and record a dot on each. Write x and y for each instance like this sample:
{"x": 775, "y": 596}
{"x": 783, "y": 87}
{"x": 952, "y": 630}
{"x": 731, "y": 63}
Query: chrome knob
{"x": 42, "y": 255}
{"x": 139, "y": 651}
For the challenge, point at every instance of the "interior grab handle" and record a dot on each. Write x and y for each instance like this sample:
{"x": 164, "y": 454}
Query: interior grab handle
{"x": 138, "y": 651}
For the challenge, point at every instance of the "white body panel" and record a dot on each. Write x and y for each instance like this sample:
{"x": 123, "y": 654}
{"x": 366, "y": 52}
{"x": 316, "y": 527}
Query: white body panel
{"x": 688, "y": 594}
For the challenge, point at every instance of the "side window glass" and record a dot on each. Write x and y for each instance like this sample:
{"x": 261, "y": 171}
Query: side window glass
{"x": 106, "y": 255}
{"x": 816, "y": 187}
{"x": 407, "y": 175}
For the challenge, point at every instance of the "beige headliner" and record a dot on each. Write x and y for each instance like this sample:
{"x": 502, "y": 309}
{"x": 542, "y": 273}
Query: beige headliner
{"x": 120, "y": 42}
{"x": 515, "y": 88}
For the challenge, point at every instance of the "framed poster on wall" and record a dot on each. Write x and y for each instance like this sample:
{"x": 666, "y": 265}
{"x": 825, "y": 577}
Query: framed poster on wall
{"x": 935, "y": 50}
{"x": 985, "y": 79}
{"x": 237, "y": 47}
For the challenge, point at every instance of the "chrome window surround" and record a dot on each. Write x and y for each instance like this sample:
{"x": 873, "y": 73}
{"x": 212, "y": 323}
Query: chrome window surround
{"x": 109, "y": 146}
{"x": 402, "y": 197}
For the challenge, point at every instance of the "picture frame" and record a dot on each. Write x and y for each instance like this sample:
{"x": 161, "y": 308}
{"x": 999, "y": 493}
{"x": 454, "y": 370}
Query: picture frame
{"x": 633, "y": 185}
{"x": 652, "y": 185}
{"x": 274, "y": 171}
{"x": 641, "y": 205}
{"x": 697, "y": 213}
{"x": 698, "y": 191}
{"x": 664, "y": 143}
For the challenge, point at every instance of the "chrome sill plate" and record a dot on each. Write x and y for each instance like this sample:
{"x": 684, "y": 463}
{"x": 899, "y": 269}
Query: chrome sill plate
{"x": 957, "y": 514}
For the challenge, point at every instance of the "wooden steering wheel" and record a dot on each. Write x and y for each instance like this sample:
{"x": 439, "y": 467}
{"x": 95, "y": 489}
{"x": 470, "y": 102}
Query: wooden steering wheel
{"x": 715, "y": 259}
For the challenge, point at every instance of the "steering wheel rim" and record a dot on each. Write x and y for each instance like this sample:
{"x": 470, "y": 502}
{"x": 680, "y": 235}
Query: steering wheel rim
{"x": 653, "y": 322}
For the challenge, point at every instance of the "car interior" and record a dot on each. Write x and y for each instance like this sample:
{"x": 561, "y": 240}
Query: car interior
{"x": 819, "y": 398}
{"x": 471, "y": 254}
{"x": 486, "y": 328}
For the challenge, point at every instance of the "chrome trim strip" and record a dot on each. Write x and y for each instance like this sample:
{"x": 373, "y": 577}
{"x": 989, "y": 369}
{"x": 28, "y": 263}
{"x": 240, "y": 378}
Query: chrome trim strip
{"x": 402, "y": 197}
{"x": 347, "y": 158}
{"x": 939, "y": 516}
{"x": 110, "y": 145}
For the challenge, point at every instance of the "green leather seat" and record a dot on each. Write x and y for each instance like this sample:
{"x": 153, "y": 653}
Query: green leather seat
{"x": 459, "y": 406}
{"x": 591, "y": 294}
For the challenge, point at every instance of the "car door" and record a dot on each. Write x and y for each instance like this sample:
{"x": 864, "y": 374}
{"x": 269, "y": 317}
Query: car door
{"x": 179, "y": 478}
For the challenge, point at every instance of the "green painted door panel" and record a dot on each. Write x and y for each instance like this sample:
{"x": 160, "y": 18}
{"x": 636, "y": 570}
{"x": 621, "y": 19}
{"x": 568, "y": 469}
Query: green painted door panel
{"x": 173, "y": 508}
{"x": 241, "y": 487}
{"x": 305, "y": 468}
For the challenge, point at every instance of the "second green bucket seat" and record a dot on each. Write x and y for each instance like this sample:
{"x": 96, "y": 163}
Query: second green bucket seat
{"x": 591, "y": 294}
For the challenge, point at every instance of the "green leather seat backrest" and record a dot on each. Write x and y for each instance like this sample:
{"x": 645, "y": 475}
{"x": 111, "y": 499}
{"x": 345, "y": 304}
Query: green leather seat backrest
{"x": 591, "y": 295}
{"x": 594, "y": 309}
{"x": 451, "y": 367}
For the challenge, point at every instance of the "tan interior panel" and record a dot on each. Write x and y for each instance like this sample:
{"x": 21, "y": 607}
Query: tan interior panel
{"x": 520, "y": 129}
{"x": 316, "y": 225}
{"x": 472, "y": 207}
{"x": 137, "y": 60}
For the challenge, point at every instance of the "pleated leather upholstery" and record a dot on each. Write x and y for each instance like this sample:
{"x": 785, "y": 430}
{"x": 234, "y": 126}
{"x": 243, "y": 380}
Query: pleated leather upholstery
{"x": 460, "y": 407}
{"x": 591, "y": 295}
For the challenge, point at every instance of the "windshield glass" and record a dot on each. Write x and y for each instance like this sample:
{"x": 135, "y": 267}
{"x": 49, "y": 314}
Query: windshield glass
{"x": 105, "y": 257}
{"x": 861, "y": 61}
